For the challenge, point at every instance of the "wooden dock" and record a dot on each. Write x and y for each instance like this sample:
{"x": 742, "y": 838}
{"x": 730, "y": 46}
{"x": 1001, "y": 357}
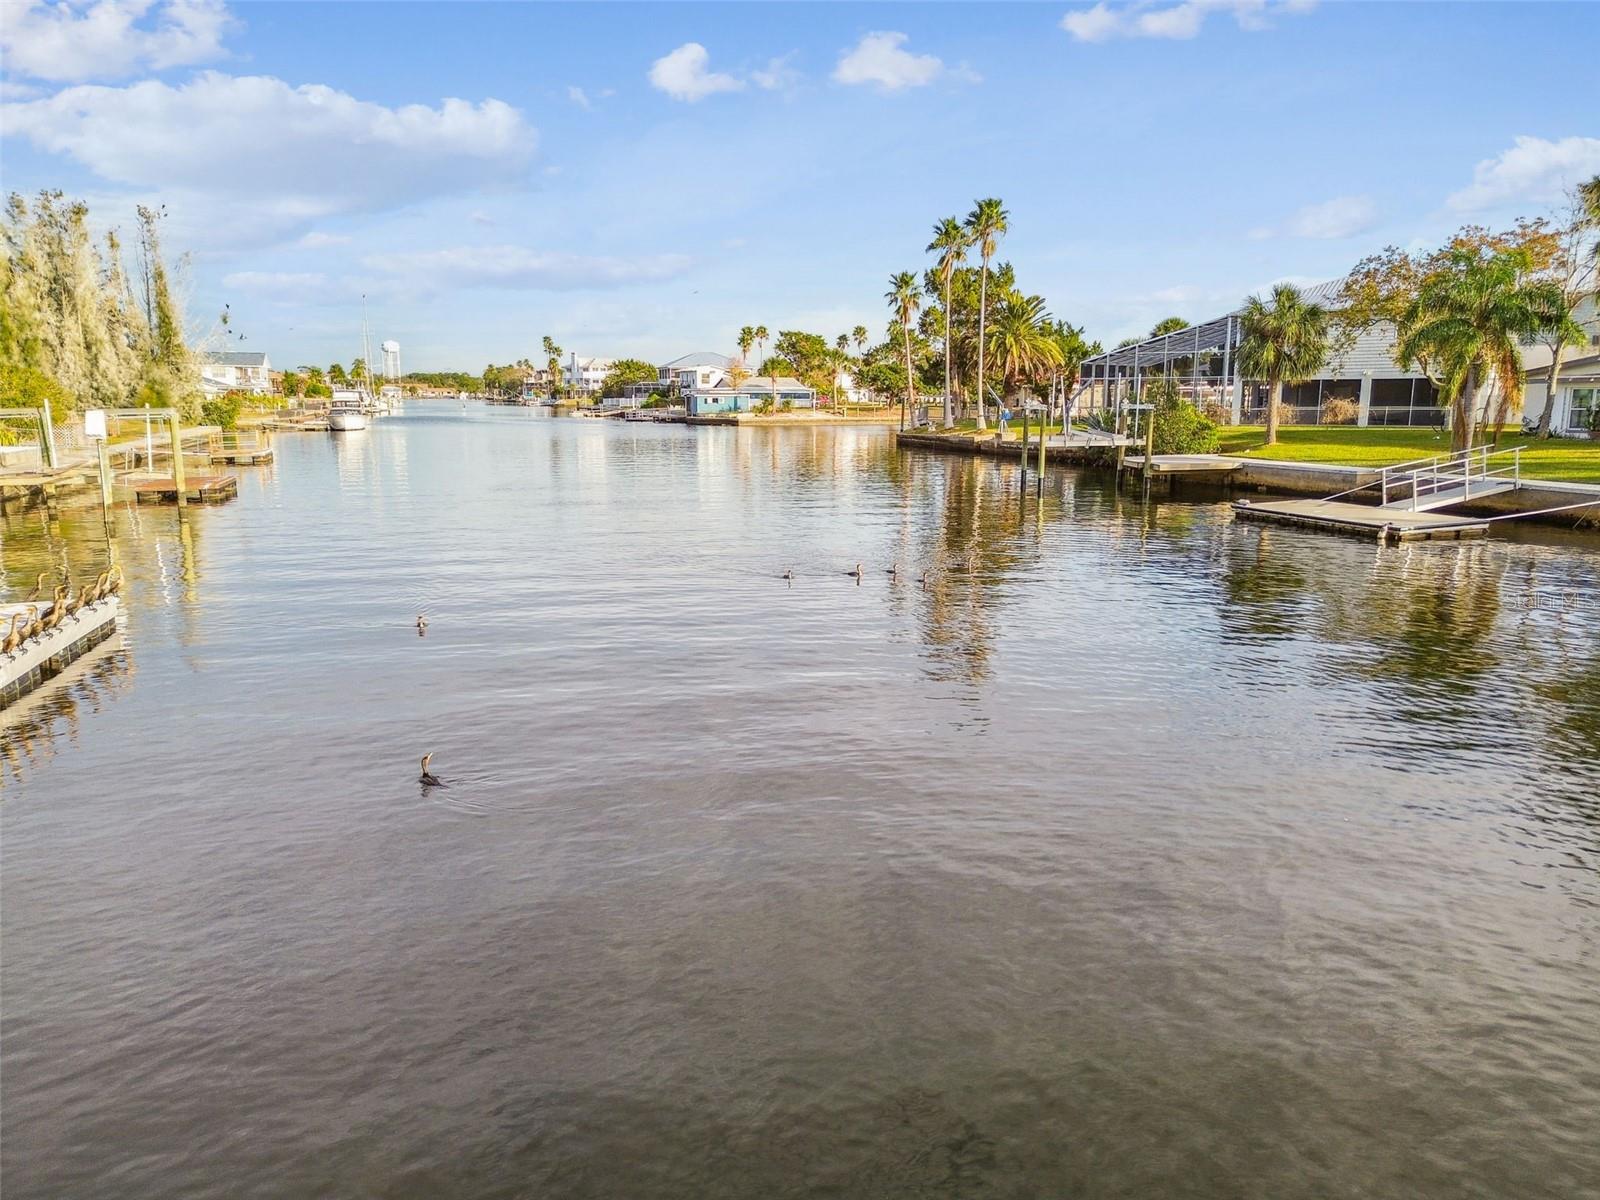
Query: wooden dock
{"x": 1184, "y": 464}
{"x": 1363, "y": 520}
{"x": 201, "y": 489}
{"x": 245, "y": 448}
{"x": 47, "y": 654}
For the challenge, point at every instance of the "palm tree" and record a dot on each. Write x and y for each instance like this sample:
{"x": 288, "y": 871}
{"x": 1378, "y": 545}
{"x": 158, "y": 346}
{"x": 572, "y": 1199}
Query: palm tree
{"x": 1464, "y": 324}
{"x": 1283, "y": 341}
{"x": 904, "y": 297}
{"x": 841, "y": 349}
{"x": 760, "y": 334}
{"x": 747, "y": 338}
{"x": 1022, "y": 342}
{"x": 986, "y": 225}
{"x": 859, "y": 336}
{"x": 951, "y": 243}
{"x": 552, "y": 357}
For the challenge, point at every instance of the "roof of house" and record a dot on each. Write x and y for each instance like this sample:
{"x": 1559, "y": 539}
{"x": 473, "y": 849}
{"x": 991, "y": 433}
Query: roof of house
{"x": 757, "y": 383}
{"x": 234, "y": 358}
{"x": 1573, "y": 370}
{"x": 700, "y": 358}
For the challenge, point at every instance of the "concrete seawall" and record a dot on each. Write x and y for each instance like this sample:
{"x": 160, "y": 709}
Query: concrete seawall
{"x": 1303, "y": 479}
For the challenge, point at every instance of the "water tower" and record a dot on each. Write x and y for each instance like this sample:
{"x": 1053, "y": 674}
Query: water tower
{"x": 391, "y": 360}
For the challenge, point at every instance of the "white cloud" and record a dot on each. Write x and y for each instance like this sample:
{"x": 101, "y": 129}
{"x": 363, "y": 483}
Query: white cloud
{"x": 683, "y": 74}
{"x": 1533, "y": 170}
{"x": 777, "y": 75}
{"x": 879, "y": 59}
{"x": 276, "y": 285}
{"x": 69, "y": 43}
{"x": 281, "y": 157}
{"x": 1153, "y": 19}
{"x": 321, "y": 241}
{"x": 1341, "y": 217}
{"x": 578, "y": 96}
{"x": 480, "y": 218}
{"x": 520, "y": 268}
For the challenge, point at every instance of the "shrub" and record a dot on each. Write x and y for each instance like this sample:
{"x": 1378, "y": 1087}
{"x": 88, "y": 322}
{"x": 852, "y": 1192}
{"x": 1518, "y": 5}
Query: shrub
{"x": 762, "y": 408}
{"x": 788, "y": 406}
{"x": 223, "y": 411}
{"x": 1217, "y": 412}
{"x": 1339, "y": 411}
{"x": 1180, "y": 427}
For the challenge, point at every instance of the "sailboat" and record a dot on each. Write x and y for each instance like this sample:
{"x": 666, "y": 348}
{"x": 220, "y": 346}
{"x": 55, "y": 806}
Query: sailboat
{"x": 353, "y": 408}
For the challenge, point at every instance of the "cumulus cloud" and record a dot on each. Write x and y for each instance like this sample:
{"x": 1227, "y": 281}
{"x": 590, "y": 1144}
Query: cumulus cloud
{"x": 880, "y": 59}
{"x": 110, "y": 39}
{"x": 284, "y": 155}
{"x": 1533, "y": 170}
{"x": 777, "y": 75}
{"x": 1341, "y": 217}
{"x": 684, "y": 74}
{"x": 1153, "y": 19}
{"x": 524, "y": 269}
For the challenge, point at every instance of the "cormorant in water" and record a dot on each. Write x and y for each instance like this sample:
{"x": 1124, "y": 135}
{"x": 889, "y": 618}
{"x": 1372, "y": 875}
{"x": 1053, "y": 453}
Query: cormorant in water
{"x": 422, "y": 625}
{"x": 428, "y": 778}
{"x": 856, "y": 574}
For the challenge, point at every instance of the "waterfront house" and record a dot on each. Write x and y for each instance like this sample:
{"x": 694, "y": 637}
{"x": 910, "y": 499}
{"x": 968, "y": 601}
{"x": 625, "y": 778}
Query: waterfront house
{"x": 1359, "y": 382}
{"x": 235, "y": 371}
{"x": 1578, "y": 386}
{"x": 585, "y": 375}
{"x": 758, "y": 389}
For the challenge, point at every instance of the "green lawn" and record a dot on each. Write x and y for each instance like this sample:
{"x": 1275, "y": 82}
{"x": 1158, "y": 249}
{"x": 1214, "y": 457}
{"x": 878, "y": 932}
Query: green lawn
{"x": 1570, "y": 459}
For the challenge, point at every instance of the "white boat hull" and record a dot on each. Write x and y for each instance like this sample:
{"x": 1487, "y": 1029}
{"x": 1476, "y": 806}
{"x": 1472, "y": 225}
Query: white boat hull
{"x": 344, "y": 420}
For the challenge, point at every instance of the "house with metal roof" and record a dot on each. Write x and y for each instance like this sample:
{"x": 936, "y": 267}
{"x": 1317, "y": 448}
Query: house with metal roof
{"x": 786, "y": 392}
{"x": 1359, "y": 376}
{"x": 235, "y": 371}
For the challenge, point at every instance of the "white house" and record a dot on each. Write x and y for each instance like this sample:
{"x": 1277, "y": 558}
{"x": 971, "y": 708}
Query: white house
{"x": 1578, "y": 382}
{"x": 235, "y": 371}
{"x": 585, "y": 375}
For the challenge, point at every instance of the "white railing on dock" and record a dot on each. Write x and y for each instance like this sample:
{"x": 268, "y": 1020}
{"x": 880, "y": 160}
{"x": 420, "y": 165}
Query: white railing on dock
{"x": 1416, "y": 482}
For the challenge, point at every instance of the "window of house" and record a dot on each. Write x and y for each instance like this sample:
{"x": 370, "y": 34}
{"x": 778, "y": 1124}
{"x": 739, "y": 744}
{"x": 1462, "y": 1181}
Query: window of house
{"x": 1581, "y": 413}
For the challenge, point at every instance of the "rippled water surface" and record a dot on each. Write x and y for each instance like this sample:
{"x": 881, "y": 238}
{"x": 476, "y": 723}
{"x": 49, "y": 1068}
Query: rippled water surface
{"x": 1138, "y": 853}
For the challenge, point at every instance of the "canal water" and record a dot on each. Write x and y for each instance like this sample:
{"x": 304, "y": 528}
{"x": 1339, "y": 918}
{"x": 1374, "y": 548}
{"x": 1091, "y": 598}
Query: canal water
{"x": 1136, "y": 853}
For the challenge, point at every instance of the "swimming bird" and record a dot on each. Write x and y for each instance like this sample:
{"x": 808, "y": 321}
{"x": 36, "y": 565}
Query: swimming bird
{"x": 422, "y": 624}
{"x": 788, "y": 574}
{"x": 924, "y": 580}
{"x": 894, "y": 570}
{"x": 856, "y": 574}
{"x": 38, "y": 588}
{"x": 428, "y": 778}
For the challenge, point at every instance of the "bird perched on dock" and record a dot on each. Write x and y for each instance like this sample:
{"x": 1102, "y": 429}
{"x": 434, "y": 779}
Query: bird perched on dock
{"x": 428, "y": 778}
{"x": 38, "y": 588}
{"x": 422, "y": 624}
{"x": 14, "y": 637}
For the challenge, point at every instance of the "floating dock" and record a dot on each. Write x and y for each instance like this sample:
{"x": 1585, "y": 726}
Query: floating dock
{"x": 1210, "y": 466}
{"x": 43, "y": 657}
{"x": 1363, "y": 520}
{"x": 197, "y": 489}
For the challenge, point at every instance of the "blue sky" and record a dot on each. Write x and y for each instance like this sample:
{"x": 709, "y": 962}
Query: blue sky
{"x": 644, "y": 179}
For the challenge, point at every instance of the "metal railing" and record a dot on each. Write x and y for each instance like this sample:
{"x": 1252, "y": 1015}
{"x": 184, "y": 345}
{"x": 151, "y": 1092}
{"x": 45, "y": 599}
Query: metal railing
{"x": 1424, "y": 478}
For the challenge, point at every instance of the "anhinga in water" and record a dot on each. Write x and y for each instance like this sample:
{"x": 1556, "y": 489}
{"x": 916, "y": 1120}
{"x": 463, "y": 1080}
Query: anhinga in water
{"x": 422, "y": 625}
{"x": 428, "y": 778}
{"x": 788, "y": 574}
{"x": 894, "y": 569}
{"x": 856, "y": 574}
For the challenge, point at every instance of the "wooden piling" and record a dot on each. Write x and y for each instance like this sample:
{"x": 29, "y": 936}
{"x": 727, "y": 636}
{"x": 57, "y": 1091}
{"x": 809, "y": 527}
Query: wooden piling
{"x": 105, "y": 475}
{"x": 177, "y": 460}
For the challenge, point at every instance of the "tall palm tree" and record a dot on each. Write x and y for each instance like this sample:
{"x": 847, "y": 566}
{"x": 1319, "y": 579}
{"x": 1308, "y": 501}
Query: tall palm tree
{"x": 760, "y": 334}
{"x": 1282, "y": 341}
{"x": 859, "y": 336}
{"x": 552, "y": 354}
{"x": 986, "y": 225}
{"x": 1022, "y": 342}
{"x": 951, "y": 243}
{"x": 747, "y": 338}
{"x": 905, "y": 297}
{"x": 841, "y": 362}
{"x": 1464, "y": 325}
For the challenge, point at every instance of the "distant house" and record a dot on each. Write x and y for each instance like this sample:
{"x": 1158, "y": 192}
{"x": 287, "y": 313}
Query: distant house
{"x": 723, "y": 398}
{"x": 687, "y": 373}
{"x": 585, "y": 375}
{"x": 235, "y": 371}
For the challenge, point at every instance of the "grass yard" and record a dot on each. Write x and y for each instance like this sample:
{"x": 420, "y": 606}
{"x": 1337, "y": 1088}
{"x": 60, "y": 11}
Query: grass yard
{"x": 1571, "y": 460}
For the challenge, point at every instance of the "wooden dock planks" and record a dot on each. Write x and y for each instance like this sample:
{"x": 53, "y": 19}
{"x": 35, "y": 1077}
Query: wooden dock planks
{"x": 1361, "y": 519}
